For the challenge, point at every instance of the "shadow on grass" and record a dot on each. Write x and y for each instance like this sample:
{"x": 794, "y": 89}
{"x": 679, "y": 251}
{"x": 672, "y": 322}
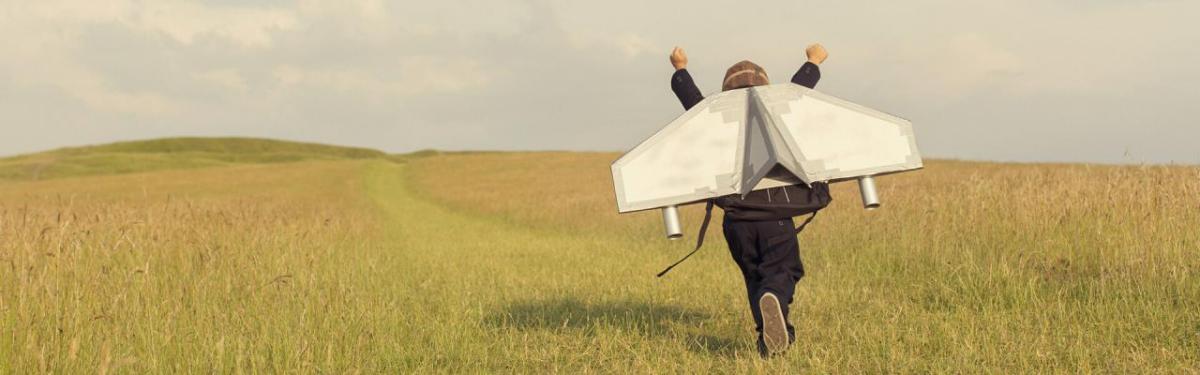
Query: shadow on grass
{"x": 586, "y": 318}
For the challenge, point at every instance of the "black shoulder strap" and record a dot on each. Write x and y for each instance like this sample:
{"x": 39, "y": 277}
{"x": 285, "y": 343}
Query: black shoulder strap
{"x": 699, "y": 239}
{"x": 799, "y": 228}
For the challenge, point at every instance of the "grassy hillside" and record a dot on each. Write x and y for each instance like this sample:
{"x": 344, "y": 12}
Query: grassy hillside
{"x": 968, "y": 267}
{"x": 170, "y": 153}
{"x": 517, "y": 262}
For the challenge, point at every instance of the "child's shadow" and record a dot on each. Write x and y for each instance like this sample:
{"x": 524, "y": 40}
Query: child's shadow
{"x": 640, "y": 316}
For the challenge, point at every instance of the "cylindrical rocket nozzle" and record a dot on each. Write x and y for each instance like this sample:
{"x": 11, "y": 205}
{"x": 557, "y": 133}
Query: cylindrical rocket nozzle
{"x": 870, "y": 197}
{"x": 671, "y": 221}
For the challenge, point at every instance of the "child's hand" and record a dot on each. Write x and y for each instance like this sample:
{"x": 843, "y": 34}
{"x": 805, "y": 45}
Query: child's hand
{"x": 816, "y": 54}
{"x": 678, "y": 58}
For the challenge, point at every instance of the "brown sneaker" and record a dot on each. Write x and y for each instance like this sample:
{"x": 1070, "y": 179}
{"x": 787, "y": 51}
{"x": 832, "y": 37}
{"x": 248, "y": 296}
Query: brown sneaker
{"x": 774, "y": 331}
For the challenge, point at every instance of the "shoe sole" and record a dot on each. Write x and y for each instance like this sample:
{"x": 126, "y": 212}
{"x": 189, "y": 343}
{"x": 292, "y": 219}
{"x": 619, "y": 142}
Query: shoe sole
{"x": 775, "y": 334}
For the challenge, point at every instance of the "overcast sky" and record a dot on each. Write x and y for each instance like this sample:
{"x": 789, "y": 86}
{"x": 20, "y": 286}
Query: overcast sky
{"x": 1069, "y": 80}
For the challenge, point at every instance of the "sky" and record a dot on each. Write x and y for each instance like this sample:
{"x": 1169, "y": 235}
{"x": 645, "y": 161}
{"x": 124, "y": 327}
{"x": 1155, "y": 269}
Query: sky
{"x": 1103, "y": 81}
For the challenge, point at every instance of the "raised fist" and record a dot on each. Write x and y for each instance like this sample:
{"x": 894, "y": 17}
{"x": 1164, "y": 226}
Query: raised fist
{"x": 816, "y": 53}
{"x": 678, "y": 58}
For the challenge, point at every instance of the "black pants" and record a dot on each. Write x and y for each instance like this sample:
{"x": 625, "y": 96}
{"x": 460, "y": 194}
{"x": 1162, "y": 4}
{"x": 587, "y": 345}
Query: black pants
{"x": 767, "y": 266}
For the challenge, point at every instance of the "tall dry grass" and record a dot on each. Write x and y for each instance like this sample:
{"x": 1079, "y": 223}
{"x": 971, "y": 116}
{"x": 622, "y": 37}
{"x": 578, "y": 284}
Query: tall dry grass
{"x": 211, "y": 270}
{"x": 518, "y": 262}
{"x": 968, "y": 266}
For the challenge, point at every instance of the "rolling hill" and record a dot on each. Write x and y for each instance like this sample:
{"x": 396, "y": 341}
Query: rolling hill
{"x": 170, "y": 153}
{"x": 236, "y": 255}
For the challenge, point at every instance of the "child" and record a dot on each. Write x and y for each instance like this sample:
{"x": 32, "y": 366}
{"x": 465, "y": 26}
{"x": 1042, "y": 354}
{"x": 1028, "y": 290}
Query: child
{"x": 762, "y": 241}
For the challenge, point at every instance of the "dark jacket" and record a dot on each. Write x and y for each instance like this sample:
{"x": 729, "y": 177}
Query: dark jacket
{"x": 689, "y": 95}
{"x": 758, "y": 205}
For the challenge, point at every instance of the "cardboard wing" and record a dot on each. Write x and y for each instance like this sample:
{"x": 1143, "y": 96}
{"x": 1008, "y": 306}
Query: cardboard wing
{"x": 760, "y": 137}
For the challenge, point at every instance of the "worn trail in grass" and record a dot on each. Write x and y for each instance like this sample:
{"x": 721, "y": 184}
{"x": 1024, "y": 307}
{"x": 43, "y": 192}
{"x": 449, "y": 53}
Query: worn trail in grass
{"x": 516, "y": 262}
{"x": 487, "y": 293}
{"x": 1005, "y": 270}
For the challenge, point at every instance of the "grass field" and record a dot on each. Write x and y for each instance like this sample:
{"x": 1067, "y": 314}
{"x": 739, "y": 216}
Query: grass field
{"x": 203, "y": 257}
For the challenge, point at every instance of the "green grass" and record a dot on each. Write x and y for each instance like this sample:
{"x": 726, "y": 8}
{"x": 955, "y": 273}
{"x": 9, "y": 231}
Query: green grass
{"x": 170, "y": 153}
{"x": 969, "y": 267}
{"x": 517, "y": 263}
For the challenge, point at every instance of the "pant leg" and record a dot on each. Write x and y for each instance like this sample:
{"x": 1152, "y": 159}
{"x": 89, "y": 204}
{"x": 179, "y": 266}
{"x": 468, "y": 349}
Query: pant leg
{"x": 779, "y": 263}
{"x": 743, "y": 247}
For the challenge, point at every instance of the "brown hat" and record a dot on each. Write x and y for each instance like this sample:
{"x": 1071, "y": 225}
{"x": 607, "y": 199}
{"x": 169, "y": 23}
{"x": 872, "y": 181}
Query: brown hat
{"x": 744, "y": 74}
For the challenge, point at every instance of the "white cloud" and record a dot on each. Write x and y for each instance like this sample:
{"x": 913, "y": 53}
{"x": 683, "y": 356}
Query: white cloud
{"x": 950, "y": 67}
{"x": 416, "y": 75}
{"x": 39, "y": 52}
{"x": 226, "y": 79}
{"x": 971, "y": 60}
{"x": 43, "y": 38}
{"x": 536, "y": 74}
{"x": 185, "y": 21}
{"x": 181, "y": 20}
